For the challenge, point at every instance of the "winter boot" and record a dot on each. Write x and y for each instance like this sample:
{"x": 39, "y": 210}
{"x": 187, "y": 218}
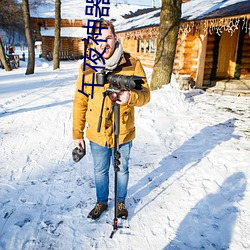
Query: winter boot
{"x": 122, "y": 211}
{"x": 97, "y": 210}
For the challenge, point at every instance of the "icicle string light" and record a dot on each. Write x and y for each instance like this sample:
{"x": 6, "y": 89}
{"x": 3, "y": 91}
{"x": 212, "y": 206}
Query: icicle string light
{"x": 206, "y": 27}
{"x": 246, "y": 25}
{"x": 150, "y": 32}
{"x": 218, "y": 25}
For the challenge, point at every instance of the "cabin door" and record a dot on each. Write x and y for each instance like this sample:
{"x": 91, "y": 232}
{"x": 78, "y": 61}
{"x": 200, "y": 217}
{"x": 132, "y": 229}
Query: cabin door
{"x": 227, "y": 55}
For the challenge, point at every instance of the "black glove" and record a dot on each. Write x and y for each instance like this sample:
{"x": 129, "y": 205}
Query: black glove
{"x": 78, "y": 153}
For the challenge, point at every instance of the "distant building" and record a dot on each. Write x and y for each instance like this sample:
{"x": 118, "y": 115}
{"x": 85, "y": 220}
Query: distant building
{"x": 71, "y": 44}
{"x": 72, "y": 33}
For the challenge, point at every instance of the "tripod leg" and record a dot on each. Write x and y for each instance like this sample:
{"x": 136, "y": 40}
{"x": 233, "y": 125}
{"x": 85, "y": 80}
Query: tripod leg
{"x": 116, "y": 161}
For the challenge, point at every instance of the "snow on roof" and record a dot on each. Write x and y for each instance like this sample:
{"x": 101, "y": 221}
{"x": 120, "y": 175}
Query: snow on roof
{"x": 66, "y": 32}
{"x": 197, "y": 9}
{"x": 38, "y": 42}
{"x": 75, "y": 9}
{"x": 192, "y": 10}
{"x": 146, "y": 20}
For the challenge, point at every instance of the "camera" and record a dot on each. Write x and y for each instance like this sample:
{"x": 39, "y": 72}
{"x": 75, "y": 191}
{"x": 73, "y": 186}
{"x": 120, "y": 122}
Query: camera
{"x": 119, "y": 81}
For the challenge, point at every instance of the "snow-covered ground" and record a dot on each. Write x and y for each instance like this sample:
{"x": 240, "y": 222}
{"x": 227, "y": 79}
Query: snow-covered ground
{"x": 189, "y": 170}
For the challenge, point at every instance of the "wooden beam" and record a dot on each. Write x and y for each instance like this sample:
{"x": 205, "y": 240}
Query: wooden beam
{"x": 201, "y": 60}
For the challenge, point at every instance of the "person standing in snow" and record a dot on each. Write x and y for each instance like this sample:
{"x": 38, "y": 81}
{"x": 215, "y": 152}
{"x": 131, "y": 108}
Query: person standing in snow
{"x": 86, "y": 109}
{"x": 11, "y": 50}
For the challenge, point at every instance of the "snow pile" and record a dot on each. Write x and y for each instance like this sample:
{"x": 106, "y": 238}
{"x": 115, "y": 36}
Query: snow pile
{"x": 169, "y": 99}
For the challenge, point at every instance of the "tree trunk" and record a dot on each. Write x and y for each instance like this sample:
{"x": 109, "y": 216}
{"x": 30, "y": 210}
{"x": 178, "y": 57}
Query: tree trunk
{"x": 3, "y": 57}
{"x": 169, "y": 27}
{"x": 56, "y": 59}
{"x": 29, "y": 38}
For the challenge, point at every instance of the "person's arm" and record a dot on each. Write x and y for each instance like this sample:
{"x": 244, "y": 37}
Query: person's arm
{"x": 80, "y": 106}
{"x": 140, "y": 97}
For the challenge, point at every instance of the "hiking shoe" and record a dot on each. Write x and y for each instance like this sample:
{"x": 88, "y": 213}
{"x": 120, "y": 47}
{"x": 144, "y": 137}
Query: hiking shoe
{"x": 97, "y": 210}
{"x": 122, "y": 211}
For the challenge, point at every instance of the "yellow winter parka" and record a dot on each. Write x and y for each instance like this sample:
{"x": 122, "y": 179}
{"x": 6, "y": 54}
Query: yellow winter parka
{"x": 87, "y": 109}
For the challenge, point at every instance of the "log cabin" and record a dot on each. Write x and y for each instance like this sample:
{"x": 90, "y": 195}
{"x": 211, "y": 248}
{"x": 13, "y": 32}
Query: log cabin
{"x": 71, "y": 44}
{"x": 213, "y": 41}
{"x": 73, "y": 18}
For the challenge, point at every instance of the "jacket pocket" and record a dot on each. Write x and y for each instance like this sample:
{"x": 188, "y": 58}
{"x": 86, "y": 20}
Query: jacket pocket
{"x": 127, "y": 120}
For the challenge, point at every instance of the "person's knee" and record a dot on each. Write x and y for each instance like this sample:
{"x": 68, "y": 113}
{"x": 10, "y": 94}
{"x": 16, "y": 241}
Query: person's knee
{"x": 101, "y": 171}
{"x": 123, "y": 169}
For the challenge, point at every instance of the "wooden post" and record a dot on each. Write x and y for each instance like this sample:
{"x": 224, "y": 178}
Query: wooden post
{"x": 140, "y": 42}
{"x": 145, "y": 45}
{"x": 201, "y": 60}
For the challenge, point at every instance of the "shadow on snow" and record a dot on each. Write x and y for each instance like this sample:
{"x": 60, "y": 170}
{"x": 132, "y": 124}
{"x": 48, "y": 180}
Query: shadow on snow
{"x": 212, "y": 219}
{"x": 23, "y": 110}
{"x": 210, "y": 223}
{"x": 190, "y": 153}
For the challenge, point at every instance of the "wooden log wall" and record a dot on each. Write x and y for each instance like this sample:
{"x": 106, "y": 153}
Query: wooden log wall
{"x": 245, "y": 60}
{"x": 47, "y": 45}
{"x": 179, "y": 60}
{"x": 185, "y": 59}
{"x": 190, "y": 56}
{"x": 146, "y": 59}
{"x": 131, "y": 46}
{"x": 73, "y": 45}
{"x": 78, "y": 46}
{"x": 186, "y": 55}
{"x": 50, "y": 22}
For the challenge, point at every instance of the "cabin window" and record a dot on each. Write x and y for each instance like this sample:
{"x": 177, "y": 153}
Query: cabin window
{"x": 152, "y": 45}
{"x": 146, "y": 45}
{"x": 138, "y": 45}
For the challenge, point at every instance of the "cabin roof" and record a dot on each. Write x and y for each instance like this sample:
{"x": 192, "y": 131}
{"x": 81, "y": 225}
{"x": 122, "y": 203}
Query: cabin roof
{"x": 75, "y": 10}
{"x": 194, "y": 10}
{"x": 73, "y": 32}
{"x": 208, "y": 9}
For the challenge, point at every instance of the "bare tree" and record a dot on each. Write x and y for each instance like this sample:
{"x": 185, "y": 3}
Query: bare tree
{"x": 3, "y": 57}
{"x": 169, "y": 27}
{"x": 11, "y": 16}
{"x": 56, "y": 59}
{"x": 11, "y": 24}
{"x": 28, "y": 33}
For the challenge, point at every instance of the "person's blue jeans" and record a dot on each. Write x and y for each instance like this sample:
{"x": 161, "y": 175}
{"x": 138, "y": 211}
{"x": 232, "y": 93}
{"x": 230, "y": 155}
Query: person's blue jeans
{"x": 102, "y": 157}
